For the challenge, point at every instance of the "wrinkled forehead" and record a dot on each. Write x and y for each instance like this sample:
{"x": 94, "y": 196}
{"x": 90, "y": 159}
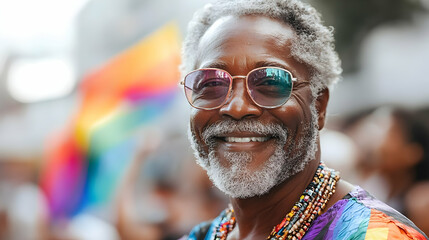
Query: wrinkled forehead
{"x": 257, "y": 24}
{"x": 233, "y": 34}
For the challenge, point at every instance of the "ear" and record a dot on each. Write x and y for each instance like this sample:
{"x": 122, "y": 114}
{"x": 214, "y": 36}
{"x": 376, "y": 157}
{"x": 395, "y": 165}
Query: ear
{"x": 321, "y": 105}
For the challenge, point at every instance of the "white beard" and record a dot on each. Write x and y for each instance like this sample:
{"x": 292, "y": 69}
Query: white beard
{"x": 236, "y": 180}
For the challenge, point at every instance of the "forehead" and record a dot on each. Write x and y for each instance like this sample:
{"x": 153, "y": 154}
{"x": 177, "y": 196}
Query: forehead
{"x": 246, "y": 41}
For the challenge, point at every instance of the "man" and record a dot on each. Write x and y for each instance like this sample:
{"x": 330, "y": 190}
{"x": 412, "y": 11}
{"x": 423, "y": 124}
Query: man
{"x": 258, "y": 80}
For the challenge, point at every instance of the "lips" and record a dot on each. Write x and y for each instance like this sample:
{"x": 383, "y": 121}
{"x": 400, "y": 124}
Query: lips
{"x": 245, "y": 139}
{"x": 243, "y": 142}
{"x": 243, "y": 132}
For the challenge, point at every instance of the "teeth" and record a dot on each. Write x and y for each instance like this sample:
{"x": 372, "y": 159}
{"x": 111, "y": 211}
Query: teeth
{"x": 246, "y": 139}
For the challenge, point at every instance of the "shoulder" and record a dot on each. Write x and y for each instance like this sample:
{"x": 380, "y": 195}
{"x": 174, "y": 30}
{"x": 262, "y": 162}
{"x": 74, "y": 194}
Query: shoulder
{"x": 361, "y": 216}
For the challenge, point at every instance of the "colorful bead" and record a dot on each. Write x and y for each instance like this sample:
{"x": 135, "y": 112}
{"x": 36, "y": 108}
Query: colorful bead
{"x": 296, "y": 223}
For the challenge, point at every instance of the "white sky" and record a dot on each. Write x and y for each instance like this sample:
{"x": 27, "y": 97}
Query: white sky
{"x": 25, "y": 24}
{"x": 40, "y": 32}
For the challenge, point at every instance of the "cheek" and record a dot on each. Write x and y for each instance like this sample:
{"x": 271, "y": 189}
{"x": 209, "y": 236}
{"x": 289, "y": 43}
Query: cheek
{"x": 199, "y": 120}
{"x": 291, "y": 115}
{"x": 303, "y": 100}
{"x": 295, "y": 113}
{"x": 295, "y": 116}
{"x": 195, "y": 128}
{"x": 193, "y": 121}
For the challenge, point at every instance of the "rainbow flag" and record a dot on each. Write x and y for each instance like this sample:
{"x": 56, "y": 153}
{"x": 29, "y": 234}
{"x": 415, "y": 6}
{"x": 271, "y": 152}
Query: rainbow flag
{"x": 85, "y": 162}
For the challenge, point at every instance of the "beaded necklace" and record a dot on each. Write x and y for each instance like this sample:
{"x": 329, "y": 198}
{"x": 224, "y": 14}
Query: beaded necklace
{"x": 296, "y": 223}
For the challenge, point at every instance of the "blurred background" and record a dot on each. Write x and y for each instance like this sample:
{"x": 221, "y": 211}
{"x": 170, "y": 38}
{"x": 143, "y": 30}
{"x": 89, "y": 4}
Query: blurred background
{"x": 93, "y": 124}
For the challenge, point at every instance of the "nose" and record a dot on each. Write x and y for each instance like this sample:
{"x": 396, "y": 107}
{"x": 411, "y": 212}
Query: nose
{"x": 240, "y": 105}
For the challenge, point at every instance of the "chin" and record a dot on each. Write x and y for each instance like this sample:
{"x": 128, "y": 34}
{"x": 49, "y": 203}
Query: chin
{"x": 239, "y": 181}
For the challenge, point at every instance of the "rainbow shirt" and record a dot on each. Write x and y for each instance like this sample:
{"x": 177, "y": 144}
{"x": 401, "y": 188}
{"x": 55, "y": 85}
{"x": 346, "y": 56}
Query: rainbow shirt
{"x": 357, "y": 216}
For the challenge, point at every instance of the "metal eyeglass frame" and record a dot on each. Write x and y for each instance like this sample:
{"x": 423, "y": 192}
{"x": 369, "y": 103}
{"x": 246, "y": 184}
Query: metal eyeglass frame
{"x": 228, "y": 96}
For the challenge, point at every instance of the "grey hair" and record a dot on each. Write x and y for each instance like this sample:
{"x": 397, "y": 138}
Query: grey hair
{"x": 314, "y": 45}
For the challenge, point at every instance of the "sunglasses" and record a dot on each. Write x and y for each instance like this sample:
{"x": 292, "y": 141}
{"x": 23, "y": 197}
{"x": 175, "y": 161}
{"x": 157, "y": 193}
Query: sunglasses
{"x": 210, "y": 88}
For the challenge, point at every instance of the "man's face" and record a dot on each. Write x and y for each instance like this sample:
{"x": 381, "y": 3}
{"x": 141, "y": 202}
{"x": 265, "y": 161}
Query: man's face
{"x": 247, "y": 149}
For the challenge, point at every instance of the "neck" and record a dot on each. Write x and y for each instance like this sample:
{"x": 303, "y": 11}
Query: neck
{"x": 256, "y": 217}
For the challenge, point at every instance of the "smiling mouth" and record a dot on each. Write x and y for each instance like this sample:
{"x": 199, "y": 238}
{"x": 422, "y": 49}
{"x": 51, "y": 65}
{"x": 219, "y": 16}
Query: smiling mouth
{"x": 244, "y": 139}
{"x": 237, "y": 143}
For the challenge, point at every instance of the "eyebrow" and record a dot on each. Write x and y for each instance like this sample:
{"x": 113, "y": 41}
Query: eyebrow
{"x": 223, "y": 65}
{"x": 269, "y": 64}
{"x": 220, "y": 65}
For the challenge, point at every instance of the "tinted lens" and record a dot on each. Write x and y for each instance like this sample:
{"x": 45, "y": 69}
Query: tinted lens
{"x": 270, "y": 87}
{"x": 207, "y": 88}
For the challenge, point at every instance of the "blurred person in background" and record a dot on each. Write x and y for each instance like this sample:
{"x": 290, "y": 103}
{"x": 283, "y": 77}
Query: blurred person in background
{"x": 176, "y": 197}
{"x": 257, "y": 134}
{"x": 23, "y": 210}
{"x": 417, "y": 204}
{"x": 403, "y": 154}
{"x": 404, "y": 163}
{"x": 395, "y": 160}
{"x": 339, "y": 152}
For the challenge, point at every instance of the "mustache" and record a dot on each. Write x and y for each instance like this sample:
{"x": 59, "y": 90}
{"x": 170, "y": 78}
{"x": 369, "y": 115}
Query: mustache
{"x": 275, "y": 130}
